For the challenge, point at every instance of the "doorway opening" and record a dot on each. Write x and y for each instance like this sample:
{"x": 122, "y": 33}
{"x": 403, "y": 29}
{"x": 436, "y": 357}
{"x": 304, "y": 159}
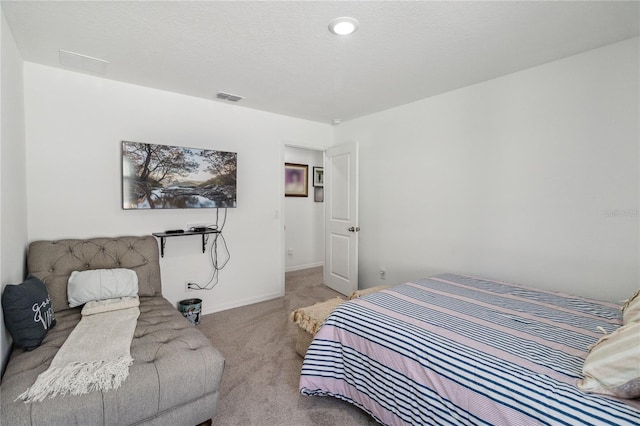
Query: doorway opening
{"x": 304, "y": 215}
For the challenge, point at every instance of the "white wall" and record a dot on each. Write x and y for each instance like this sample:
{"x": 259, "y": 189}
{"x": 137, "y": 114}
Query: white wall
{"x": 532, "y": 178}
{"x": 304, "y": 218}
{"x": 75, "y": 123}
{"x": 13, "y": 195}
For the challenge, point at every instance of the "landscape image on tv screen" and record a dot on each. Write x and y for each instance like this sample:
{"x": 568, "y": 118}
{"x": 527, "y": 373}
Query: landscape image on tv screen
{"x": 173, "y": 177}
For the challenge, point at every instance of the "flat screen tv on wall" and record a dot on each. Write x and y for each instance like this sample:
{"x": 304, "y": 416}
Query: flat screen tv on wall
{"x": 173, "y": 177}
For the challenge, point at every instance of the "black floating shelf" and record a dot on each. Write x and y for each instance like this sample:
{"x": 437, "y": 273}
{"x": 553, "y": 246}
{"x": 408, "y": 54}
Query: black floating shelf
{"x": 164, "y": 235}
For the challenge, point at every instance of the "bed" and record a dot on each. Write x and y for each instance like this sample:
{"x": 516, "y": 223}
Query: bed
{"x": 461, "y": 350}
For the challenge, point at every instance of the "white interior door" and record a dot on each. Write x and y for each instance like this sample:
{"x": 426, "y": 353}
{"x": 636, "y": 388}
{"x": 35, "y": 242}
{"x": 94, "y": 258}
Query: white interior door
{"x": 341, "y": 218}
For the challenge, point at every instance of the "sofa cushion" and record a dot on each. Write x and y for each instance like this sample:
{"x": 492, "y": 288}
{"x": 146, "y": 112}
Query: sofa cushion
{"x": 28, "y": 314}
{"x": 174, "y": 363}
{"x": 54, "y": 261}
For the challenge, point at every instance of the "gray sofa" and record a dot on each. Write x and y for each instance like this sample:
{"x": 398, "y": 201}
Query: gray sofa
{"x": 175, "y": 377}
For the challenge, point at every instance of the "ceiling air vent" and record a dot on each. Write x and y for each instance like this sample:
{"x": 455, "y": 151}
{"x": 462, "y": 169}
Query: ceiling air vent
{"x": 228, "y": 97}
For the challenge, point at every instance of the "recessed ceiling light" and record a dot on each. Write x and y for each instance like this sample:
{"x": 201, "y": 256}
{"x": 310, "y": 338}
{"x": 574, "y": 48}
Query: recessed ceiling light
{"x": 343, "y": 26}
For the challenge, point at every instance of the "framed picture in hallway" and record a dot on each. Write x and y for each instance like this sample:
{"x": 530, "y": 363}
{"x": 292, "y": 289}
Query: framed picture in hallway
{"x": 318, "y": 176}
{"x": 296, "y": 180}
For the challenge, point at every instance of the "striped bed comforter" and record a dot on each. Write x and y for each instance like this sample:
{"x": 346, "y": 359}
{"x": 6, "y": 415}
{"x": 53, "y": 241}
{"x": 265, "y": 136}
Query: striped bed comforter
{"x": 459, "y": 350}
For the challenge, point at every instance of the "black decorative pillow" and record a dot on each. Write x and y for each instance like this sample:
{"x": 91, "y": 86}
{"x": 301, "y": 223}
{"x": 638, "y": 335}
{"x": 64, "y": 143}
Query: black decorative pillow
{"x": 28, "y": 313}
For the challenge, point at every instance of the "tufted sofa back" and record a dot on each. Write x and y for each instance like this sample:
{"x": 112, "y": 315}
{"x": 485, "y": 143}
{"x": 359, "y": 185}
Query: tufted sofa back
{"x": 53, "y": 262}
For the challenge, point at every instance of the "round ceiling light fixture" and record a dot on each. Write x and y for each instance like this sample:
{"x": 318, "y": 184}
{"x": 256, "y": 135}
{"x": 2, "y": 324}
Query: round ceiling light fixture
{"x": 343, "y": 26}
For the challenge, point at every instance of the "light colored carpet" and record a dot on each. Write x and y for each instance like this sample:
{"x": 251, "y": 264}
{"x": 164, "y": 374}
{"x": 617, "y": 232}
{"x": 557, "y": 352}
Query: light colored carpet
{"x": 260, "y": 382}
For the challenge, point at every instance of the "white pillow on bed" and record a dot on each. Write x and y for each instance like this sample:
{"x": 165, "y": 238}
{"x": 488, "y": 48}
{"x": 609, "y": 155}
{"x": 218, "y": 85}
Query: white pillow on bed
{"x": 100, "y": 284}
{"x": 613, "y": 364}
{"x": 631, "y": 309}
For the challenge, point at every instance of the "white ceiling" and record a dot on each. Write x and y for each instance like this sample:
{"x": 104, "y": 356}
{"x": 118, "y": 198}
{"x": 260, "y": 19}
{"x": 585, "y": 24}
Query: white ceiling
{"x": 281, "y": 57}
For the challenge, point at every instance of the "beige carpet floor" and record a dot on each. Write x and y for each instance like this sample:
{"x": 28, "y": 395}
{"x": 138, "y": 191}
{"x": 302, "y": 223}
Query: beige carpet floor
{"x": 260, "y": 382}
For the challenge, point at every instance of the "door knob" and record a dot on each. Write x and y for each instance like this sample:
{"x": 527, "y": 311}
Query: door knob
{"x": 353, "y": 229}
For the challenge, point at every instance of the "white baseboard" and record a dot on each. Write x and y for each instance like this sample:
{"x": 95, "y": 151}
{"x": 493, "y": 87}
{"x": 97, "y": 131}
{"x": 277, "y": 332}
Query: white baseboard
{"x": 250, "y": 301}
{"x": 243, "y": 302}
{"x": 301, "y": 267}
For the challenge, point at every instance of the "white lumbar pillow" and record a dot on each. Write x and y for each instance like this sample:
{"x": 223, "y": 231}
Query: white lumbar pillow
{"x": 631, "y": 309}
{"x": 100, "y": 284}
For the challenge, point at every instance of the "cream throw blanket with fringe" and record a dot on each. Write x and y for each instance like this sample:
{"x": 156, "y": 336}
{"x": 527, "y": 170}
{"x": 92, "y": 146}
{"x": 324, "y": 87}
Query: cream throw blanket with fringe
{"x": 95, "y": 356}
{"x": 311, "y": 318}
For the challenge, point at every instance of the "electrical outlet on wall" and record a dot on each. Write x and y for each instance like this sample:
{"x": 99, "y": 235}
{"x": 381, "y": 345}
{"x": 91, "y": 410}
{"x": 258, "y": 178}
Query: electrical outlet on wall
{"x": 382, "y": 274}
{"x": 290, "y": 252}
{"x": 187, "y": 287}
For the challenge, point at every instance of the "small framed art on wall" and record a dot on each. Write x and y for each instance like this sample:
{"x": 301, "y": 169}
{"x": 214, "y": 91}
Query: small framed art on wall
{"x": 296, "y": 180}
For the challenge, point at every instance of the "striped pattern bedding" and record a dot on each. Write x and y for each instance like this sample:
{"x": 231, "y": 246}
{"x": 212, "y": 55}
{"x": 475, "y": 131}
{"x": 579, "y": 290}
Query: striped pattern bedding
{"x": 460, "y": 350}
